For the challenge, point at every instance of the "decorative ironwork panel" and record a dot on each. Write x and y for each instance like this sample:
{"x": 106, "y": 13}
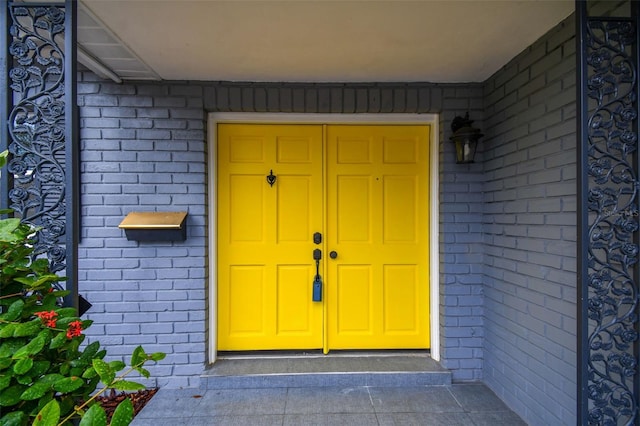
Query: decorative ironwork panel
{"x": 40, "y": 121}
{"x": 610, "y": 191}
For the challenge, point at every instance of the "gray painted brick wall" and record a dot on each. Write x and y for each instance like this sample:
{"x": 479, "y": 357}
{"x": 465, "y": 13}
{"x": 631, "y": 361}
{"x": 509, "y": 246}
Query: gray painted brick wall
{"x": 144, "y": 148}
{"x": 529, "y": 230}
{"x": 460, "y": 229}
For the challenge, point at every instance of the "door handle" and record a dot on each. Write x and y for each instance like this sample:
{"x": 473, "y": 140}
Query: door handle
{"x": 317, "y": 280}
{"x": 317, "y": 238}
{"x": 333, "y": 254}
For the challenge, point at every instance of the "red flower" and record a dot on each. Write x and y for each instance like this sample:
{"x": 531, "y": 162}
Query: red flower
{"x": 75, "y": 329}
{"x": 48, "y": 318}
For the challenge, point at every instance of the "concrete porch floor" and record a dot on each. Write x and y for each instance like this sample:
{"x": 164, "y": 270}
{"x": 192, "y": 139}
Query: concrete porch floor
{"x": 338, "y": 368}
{"x": 360, "y": 389}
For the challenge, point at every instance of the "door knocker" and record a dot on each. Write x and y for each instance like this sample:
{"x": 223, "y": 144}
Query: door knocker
{"x": 271, "y": 178}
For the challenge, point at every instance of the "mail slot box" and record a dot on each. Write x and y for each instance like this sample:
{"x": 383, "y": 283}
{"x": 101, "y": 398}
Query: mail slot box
{"x": 155, "y": 226}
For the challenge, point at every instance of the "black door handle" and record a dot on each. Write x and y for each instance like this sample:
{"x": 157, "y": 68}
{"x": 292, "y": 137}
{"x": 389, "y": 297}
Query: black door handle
{"x": 333, "y": 254}
{"x": 317, "y": 281}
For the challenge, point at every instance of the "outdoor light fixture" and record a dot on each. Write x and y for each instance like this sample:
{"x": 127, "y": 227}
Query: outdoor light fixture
{"x": 466, "y": 139}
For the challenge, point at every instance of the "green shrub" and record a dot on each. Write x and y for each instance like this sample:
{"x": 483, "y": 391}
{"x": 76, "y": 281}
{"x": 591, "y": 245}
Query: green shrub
{"x": 46, "y": 376}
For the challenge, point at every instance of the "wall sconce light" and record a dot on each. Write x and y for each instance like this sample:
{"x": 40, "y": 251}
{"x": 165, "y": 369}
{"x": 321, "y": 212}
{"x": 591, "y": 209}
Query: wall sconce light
{"x": 466, "y": 139}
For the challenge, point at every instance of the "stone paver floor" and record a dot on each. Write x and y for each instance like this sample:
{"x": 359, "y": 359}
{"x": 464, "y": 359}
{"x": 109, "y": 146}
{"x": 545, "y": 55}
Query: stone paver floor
{"x": 458, "y": 404}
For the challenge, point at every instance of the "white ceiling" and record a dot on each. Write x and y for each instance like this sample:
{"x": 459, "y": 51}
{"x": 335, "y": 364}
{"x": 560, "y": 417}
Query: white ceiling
{"x": 312, "y": 41}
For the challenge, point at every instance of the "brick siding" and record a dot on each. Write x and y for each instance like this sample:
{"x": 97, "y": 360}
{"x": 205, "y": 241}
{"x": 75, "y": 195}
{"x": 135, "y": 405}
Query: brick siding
{"x": 529, "y": 230}
{"x": 144, "y": 148}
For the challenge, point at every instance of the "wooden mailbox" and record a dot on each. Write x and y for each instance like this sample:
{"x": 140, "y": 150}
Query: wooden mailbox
{"x": 155, "y": 226}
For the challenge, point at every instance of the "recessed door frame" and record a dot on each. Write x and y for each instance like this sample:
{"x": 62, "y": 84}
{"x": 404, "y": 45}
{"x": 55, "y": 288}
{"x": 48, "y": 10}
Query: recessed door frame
{"x": 292, "y": 118}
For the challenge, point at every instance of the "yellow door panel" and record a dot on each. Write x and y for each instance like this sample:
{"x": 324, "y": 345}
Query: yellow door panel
{"x": 353, "y": 226}
{"x": 293, "y": 285}
{"x": 295, "y": 199}
{"x": 399, "y": 211}
{"x": 377, "y": 222}
{"x": 353, "y": 149}
{"x": 401, "y": 295}
{"x": 245, "y": 150}
{"x": 248, "y": 288}
{"x": 265, "y": 247}
{"x": 401, "y": 149}
{"x": 246, "y": 205}
{"x": 353, "y": 299}
{"x": 295, "y": 150}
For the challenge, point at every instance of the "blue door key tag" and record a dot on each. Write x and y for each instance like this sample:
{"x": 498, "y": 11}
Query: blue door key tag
{"x": 317, "y": 289}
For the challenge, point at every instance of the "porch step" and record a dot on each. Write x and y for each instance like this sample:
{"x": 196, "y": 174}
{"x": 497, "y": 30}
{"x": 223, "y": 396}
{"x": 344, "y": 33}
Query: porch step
{"x": 316, "y": 370}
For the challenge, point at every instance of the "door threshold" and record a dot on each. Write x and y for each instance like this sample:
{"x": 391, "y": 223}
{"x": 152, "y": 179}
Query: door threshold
{"x": 423, "y": 353}
{"x": 389, "y": 368}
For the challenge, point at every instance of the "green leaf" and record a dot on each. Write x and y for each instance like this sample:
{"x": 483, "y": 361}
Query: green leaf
{"x": 51, "y": 378}
{"x": 123, "y": 413}
{"x": 49, "y": 415}
{"x": 36, "y": 391}
{"x": 67, "y": 312}
{"x": 104, "y": 371}
{"x": 158, "y": 356}
{"x": 27, "y": 281}
{"x": 10, "y": 347}
{"x": 117, "y": 365}
{"x": 138, "y": 357}
{"x": 11, "y": 395}
{"x": 49, "y": 301}
{"x": 125, "y": 385}
{"x": 88, "y": 354}
{"x": 17, "y": 418}
{"x": 64, "y": 322}
{"x": 95, "y": 416}
{"x": 22, "y": 366}
{"x": 43, "y": 401}
{"x": 143, "y": 371}
{"x": 45, "y": 279}
{"x": 68, "y": 384}
{"x": 58, "y": 341}
{"x": 76, "y": 371}
{"x": 27, "y": 328}
{"x": 24, "y": 379}
{"x": 33, "y": 347}
{"x": 14, "y": 311}
{"x": 6, "y": 330}
{"x": 40, "y": 367}
{"x": 5, "y": 380}
{"x": 7, "y": 226}
{"x": 74, "y": 344}
{"x": 89, "y": 373}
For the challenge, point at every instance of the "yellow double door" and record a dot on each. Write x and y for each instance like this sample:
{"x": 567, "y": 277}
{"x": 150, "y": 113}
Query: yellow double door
{"x": 356, "y": 194}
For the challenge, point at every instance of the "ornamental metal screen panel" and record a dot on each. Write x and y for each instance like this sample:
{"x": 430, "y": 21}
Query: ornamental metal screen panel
{"x": 609, "y": 219}
{"x": 39, "y": 91}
